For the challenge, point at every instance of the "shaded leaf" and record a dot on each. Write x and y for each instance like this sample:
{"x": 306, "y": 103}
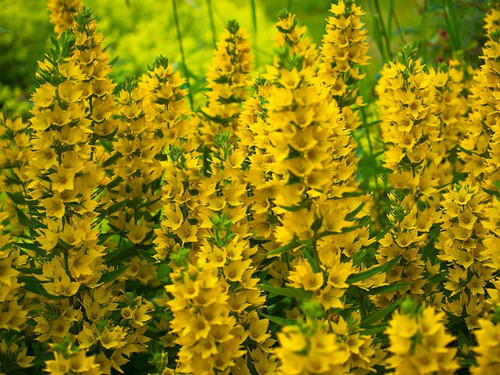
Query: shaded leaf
{"x": 34, "y": 285}
{"x": 31, "y": 246}
{"x": 286, "y": 291}
{"x": 380, "y": 314}
{"x": 283, "y": 249}
{"x": 280, "y": 321}
{"x": 110, "y": 276}
{"x": 357, "y": 277}
{"x": 387, "y": 288}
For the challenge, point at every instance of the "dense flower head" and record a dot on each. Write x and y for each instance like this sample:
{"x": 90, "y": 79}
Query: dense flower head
{"x": 310, "y": 348}
{"x": 409, "y": 127}
{"x": 164, "y": 103}
{"x": 449, "y": 83}
{"x": 62, "y": 13}
{"x": 481, "y": 140}
{"x": 419, "y": 342}
{"x": 291, "y": 40}
{"x": 461, "y": 243}
{"x": 208, "y": 335}
{"x": 488, "y": 348}
{"x": 283, "y": 227}
{"x": 137, "y": 166}
{"x": 15, "y": 145}
{"x": 343, "y": 52}
{"x": 228, "y": 79}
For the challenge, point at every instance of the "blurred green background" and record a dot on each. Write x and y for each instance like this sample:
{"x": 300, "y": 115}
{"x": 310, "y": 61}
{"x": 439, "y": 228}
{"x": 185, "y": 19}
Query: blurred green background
{"x": 137, "y": 31}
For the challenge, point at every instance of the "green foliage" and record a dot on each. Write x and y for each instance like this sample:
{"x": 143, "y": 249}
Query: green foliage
{"x": 139, "y": 31}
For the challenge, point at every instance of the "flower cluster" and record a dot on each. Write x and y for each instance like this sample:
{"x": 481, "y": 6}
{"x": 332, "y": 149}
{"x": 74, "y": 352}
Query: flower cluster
{"x": 139, "y": 235}
{"x": 419, "y": 342}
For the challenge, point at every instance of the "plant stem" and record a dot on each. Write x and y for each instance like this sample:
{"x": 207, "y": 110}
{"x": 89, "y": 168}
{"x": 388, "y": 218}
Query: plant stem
{"x": 423, "y": 27}
{"x": 254, "y": 29}
{"x": 315, "y": 252}
{"x": 383, "y": 30}
{"x": 212, "y": 23}
{"x": 181, "y": 49}
{"x": 398, "y": 27}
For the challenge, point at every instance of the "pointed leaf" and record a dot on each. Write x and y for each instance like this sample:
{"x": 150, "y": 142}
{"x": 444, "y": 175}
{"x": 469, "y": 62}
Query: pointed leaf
{"x": 380, "y": 314}
{"x": 388, "y": 288}
{"x": 283, "y": 249}
{"x": 34, "y": 285}
{"x": 373, "y": 330}
{"x": 31, "y": 246}
{"x": 280, "y": 321}
{"x": 286, "y": 291}
{"x": 110, "y": 276}
{"x": 355, "y": 278}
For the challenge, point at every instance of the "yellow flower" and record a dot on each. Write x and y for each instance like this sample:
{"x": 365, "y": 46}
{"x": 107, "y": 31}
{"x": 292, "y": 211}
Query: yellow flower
{"x": 418, "y": 340}
{"x": 44, "y": 95}
{"x": 136, "y": 233}
{"x": 187, "y": 232}
{"x": 302, "y": 276}
{"x": 54, "y": 206}
{"x": 488, "y": 344}
{"x": 63, "y": 179}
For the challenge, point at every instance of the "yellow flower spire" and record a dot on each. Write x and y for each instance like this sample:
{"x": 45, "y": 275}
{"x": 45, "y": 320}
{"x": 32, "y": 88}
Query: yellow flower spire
{"x": 343, "y": 51}
{"x": 62, "y": 13}
{"x": 419, "y": 342}
{"x": 228, "y": 79}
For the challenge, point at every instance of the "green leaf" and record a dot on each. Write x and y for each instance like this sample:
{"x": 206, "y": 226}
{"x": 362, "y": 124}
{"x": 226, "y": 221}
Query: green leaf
{"x": 387, "y": 288}
{"x": 490, "y": 192}
{"x": 343, "y": 230}
{"x": 286, "y": 291}
{"x": 463, "y": 339}
{"x": 294, "y": 208}
{"x": 373, "y": 330}
{"x": 118, "y": 255}
{"x": 114, "y": 182}
{"x": 163, "y": 272}
{"x": 380, "y": 314}
{"x": 23, "y": 219}
{"x": 370, "y": 124}
{"x": 283, "y": 249}
{"x": 352, "y": 215}
{"x": 17, "y": 198}
{"x": 30, "y": 271}
{"x": 33, "y": 285}
{"x": 280, "y": 321}
{"x": 111, "y": 160}
{"x": 110, "y": 276}
{"x": 382, "y": 233}
{"x": 31, "y": 246}
{"x": 355, "y": 278}
{"x": 436, "y": 279}
{"x": 307, "y": 254}
{"x": 115, "y": 207}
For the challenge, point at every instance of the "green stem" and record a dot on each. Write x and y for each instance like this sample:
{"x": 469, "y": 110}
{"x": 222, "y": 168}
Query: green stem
{"x": 254, "y": 29}
{"x": 367, "y": 130}
{"x": 315, "y": 252}
{"x": 66, "y": 263}
{"x": 423, "y": 27}
{"x": 383, "y": 30}
{"x": 181, "y": 49}
{"x": 390, "y": 14}
{"x": 362, "y": 304}
{"x": 212, "y": 23}
{"x": 398, "y": 26}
